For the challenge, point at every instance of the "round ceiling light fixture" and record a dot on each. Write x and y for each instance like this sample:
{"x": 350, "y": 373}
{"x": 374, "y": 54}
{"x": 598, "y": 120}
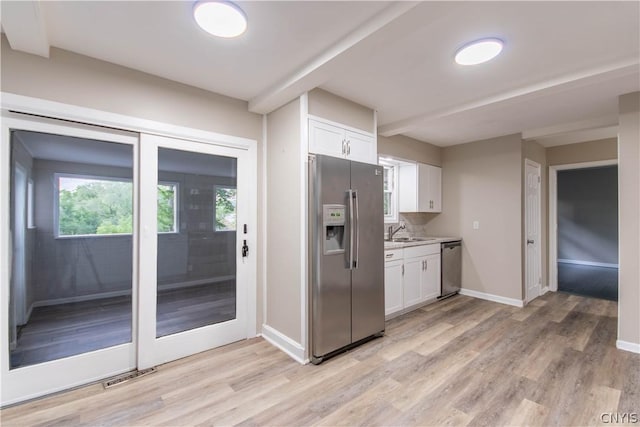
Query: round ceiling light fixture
{"x": 479, "y": 51}
{"x": 220, "y": 18}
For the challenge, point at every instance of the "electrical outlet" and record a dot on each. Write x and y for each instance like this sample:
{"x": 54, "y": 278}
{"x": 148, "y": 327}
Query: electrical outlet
{"x": 476, "y": 225}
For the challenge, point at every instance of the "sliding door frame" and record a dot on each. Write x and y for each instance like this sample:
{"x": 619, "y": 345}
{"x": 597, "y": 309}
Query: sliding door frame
{"x": 15, "y": 107}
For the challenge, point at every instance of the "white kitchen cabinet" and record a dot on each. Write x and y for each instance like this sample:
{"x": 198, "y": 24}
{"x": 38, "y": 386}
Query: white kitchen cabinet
{"x": 430, "y": 280}
{"x": 336, "y": 141}
{"x": 412, "y": 277}
{"x": 393, "y": 299}
{"x": 411, "y": 281}
{"x": 420, "y": 188}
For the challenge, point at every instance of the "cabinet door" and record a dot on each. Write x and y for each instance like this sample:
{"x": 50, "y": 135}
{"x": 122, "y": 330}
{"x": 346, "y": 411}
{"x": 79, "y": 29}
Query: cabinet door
{"x": 392, "y": 287}
{"x": 424, "y": 198}
{"x": 361, "y": 148}
{"x": 430, "y": 282}
{"x": 326, "y": 139}
{"x": 408, "y": 188}
{"x": 435, "y": 188}
{"x": 411, "y": 281}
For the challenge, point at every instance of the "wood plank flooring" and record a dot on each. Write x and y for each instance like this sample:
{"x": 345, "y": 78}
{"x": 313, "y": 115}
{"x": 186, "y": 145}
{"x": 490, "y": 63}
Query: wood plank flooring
{"x": 458, "y": 362}
{"x": 64, "y": 330}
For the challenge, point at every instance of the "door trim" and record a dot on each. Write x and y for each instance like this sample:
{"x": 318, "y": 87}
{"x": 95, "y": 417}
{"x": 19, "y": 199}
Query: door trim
{"x": 553, "y": 213}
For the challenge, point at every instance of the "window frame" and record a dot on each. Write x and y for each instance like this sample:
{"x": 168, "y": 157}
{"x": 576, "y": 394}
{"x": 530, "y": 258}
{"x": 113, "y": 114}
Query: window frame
{"x": 215, "y": 191}
{"x": 394, "y": 216}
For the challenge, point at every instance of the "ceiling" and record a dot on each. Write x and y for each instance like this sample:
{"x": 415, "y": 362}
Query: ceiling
{"x": 557, "y": 81}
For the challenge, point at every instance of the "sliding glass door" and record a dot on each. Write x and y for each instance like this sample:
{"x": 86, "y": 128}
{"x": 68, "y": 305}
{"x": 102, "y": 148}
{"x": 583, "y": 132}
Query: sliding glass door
{"x": 193, "y": 220}
{"x": 69, "y": 282}
{"x": 118, "y": 251}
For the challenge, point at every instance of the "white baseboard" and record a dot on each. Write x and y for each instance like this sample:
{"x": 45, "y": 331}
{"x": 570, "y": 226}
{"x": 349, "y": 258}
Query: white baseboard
{"x": 628, "y": 346}
{"x": 589, "y": 263}
{"x": 113, "y": 294}
{"x": 491, "y": 297}
{"x": 284, "y": 343}
{"x": 544, "y": 290}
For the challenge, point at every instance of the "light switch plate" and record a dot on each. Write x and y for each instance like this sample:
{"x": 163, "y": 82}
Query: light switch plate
{"x": 476, "y": 225}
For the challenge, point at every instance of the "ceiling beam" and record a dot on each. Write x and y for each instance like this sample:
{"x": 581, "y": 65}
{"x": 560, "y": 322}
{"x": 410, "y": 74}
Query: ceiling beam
{"x": 24, "y": 25}
{"x": 313, "y": 73}
{"x": 579, "y": 136}
{"x": 549, "y": 87}
{"x": 581, "y": 125}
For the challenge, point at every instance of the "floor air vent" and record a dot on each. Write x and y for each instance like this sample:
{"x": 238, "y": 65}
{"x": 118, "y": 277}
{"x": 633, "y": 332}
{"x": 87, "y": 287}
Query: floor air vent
{"x": 127, "y": 377}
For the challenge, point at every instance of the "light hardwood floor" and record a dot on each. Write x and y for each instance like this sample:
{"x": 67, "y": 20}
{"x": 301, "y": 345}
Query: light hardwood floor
{"x": 58, "y": 331}
{"x": 461, "y": 361}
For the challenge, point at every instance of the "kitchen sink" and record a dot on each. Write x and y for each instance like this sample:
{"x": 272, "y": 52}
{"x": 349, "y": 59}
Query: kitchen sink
{"x": 410, "y": 239}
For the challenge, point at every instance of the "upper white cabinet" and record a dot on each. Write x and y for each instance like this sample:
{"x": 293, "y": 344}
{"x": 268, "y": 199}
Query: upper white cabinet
{"x": 420, "y": 188}
{"x": 337, "y": 141}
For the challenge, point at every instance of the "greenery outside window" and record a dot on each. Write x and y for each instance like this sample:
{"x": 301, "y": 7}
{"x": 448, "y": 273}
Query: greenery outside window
{"x": 101, "y": 206}
{"x": 167, "y": 203}
{"x": 225, "y": 203}
{"x": 390, "y": 192}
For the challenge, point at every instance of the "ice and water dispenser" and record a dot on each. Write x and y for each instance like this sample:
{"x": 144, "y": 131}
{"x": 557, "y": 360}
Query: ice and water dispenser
{"x": 333, "y": 222}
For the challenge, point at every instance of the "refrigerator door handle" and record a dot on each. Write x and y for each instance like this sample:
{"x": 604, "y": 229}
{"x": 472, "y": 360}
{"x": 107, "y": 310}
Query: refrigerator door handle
{"x": 351, "y": 226}
{"x": 357, "y": 227}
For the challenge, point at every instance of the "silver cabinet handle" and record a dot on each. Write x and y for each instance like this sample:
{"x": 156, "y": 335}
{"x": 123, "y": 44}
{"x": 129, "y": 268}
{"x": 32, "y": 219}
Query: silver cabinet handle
{"x": 348, "y": 148}
{"x": 344, "y": 149}
{"x": 389, "y": 255}
{"x": 357, "y": 204}
{"x": 403, "y": 269}
{"x": 530, "y": 242}
{"x": 426, "y": 265}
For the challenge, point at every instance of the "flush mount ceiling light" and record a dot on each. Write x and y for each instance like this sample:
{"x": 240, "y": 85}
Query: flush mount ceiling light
{"x": 479, "y": 51}
{"x": 220, "y": 18}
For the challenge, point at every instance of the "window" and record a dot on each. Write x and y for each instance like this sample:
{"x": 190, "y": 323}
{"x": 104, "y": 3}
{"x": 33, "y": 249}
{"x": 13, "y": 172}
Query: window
{"x": 225, "y": 202}
{"x": 390, "y": 193}
{"x": 167, "y": 212}
{"x": 30, "y": 207}
{"x": 97, "y": 206}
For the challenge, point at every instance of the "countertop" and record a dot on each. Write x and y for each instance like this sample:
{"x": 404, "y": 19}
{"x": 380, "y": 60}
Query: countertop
{"x": 434, "y": 240}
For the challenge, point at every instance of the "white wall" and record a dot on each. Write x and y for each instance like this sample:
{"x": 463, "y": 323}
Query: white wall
{"x": 482, "y": 181}
{"x": 629, "y": 206}
{"x": 283, "y": 311}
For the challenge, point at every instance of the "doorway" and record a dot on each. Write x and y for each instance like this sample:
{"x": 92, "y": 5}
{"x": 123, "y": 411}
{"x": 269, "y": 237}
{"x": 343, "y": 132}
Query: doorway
{"x": 135, "y": 261}
{"x": 585, "y": 218}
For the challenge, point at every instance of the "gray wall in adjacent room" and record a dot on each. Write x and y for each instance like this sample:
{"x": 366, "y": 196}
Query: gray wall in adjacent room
{"x": 588, "y": 215}
{"x": 96, "y": 266}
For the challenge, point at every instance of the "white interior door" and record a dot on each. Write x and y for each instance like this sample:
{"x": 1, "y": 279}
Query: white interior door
{"x": 533, "y": 265}
{"x": 194, "y": 277}
{"x": 75, "y": 265}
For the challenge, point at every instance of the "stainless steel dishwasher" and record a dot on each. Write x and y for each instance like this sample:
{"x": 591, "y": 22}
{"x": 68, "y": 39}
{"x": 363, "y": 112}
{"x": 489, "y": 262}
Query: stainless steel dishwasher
{"x": 451, "y": 257}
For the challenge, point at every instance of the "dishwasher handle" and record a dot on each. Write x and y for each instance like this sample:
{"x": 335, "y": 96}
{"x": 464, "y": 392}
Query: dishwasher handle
{"x": 451, "y": 245}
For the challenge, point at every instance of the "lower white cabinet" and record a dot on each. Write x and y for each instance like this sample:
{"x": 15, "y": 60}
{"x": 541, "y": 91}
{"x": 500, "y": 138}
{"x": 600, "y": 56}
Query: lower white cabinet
{"x": 393, "y": 287}
{"x": 412, "y": 277}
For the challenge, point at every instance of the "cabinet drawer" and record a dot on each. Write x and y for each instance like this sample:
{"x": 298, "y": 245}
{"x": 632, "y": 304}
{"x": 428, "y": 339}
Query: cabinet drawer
{"x": 392, "y": 255}
{"x": 422, "y": 250}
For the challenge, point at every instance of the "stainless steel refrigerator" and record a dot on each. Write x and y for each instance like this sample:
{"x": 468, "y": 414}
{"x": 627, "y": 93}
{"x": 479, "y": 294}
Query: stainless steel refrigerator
{"x": 347, "y": 254}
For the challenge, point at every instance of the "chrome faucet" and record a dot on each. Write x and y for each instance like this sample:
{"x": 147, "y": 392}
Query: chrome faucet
{"x": 391, "y": 231}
